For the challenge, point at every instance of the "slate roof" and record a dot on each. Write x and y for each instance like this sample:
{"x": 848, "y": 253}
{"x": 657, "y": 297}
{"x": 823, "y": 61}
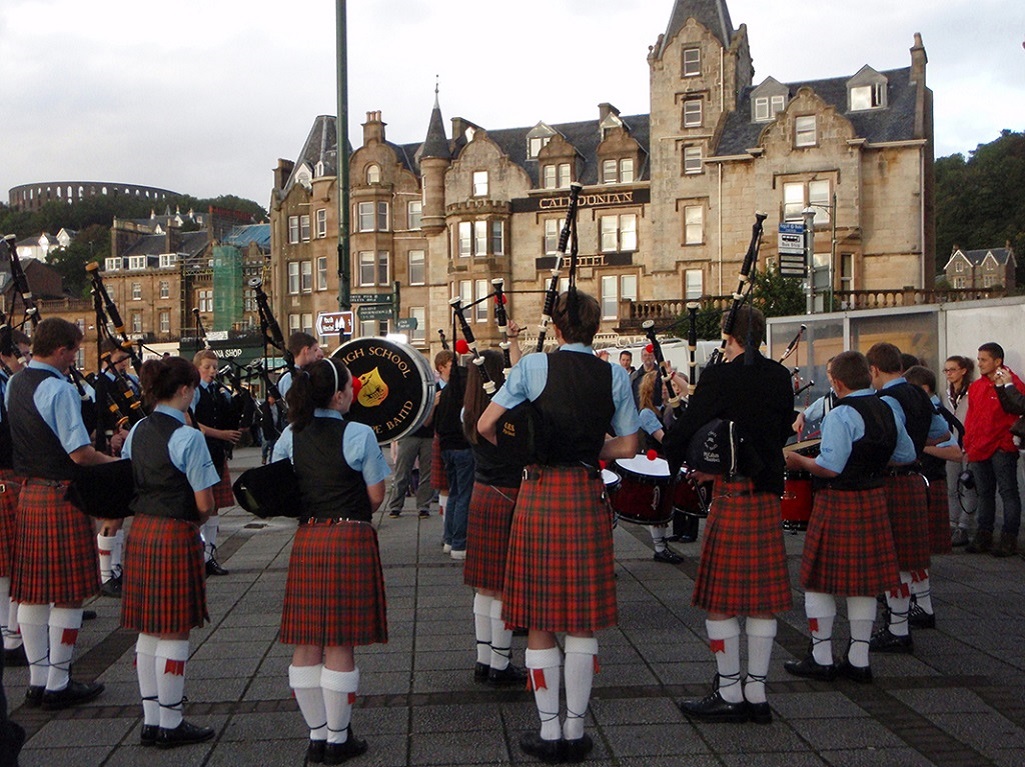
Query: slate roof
{"x": 436, "y": 144}
{"x": 192, "y": 244}
{"x": 712, "y": 14}
{"x": 976, "y": 257}
{"x": 320, "y": 146}
{"x": 894, "y": 123}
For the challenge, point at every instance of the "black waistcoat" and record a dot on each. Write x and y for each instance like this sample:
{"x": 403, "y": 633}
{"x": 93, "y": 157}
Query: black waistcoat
{"x": 577, "y": 408}
{"x": 866, "y": 464}
{"x": 37, "y": 450}
{"x": 328, "y": 486}
{"x": 6, "y": 447}
{"x": 490, "y": 467}
{"x": 161, "y": 489}
{"x": 918, "y": 411}
{"x": 212, "y": 410}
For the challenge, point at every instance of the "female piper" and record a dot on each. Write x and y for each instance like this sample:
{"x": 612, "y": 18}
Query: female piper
{"x": 334, "y": 595}
{"x": 164, "y": 595}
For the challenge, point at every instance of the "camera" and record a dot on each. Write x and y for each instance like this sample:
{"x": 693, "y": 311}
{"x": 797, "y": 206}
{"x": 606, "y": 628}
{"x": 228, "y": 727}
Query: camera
{"x": 966, "y": 479}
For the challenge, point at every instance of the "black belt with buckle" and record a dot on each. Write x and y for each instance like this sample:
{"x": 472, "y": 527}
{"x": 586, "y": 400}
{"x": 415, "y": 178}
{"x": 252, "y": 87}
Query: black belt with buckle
{"x": 329, "y": 520}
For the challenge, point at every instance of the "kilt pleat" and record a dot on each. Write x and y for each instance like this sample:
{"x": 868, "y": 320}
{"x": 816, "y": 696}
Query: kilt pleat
{"x": 560, "y": 569}
{"x": 848, "y": 549}
{"x": 11, "y": 487}
{"x": 939, "y": 517}
{"x": 164, "y": 583}
{"x": 334, "y": 595}
{"x": 487, "y": 536}
{"x": 439, "y": 477}
{"x": 56, "y": 548}
{"x": 743, "y": 568}
{"x": 908, "y": 506}
{"x": 223, "y": 497}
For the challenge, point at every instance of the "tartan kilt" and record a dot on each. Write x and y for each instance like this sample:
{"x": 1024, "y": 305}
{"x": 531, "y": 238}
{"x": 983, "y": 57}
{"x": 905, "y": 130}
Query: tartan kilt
{"x": 848, "y": 549}
{"x": 439, "y": 477}
{"x": 939, "y": 517}
{"x": 164, "y": 583}
{"x": 559, "y": 574}
{"x": 487, "y": 536}
{"x": 908, "y": 506}
{"x": 8, "y": 519}
{"x": 223, "y": 497}
{"x": 334, "y": 595}
{"x": 743, "y": 568}
{"x": 56, "y": 548}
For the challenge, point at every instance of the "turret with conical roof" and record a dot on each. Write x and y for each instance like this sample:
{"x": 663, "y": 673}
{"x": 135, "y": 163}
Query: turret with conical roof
{"x": 435, "y": 156}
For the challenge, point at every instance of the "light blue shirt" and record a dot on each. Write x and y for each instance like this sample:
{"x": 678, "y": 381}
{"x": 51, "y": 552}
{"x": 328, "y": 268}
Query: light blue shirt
{"x": 529, "y": 377}
{"x": 285, "y": 382}
{"x": 188, "y": 451}
{"x": 204, "y": 385}
{"x": 649, "y": 421}
{"x": 843, "y": 426}
{"x": 59, "y": 405}
{"x": 359, "y": 449}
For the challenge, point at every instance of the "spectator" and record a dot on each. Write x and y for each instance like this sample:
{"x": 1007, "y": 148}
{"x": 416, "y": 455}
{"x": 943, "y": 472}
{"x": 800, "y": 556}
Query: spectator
{"x": 961, "y": 500}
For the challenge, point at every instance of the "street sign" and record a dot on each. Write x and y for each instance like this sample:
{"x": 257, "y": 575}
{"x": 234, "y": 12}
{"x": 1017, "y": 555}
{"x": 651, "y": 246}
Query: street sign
{"x": 332, "y": 323}
{"x": 376, "y": 312}
{"x": 791, "y": 239}
{"x": 793, "y": 266}
{"x": 370, "y": 298}
{"x": 406, "y": 323}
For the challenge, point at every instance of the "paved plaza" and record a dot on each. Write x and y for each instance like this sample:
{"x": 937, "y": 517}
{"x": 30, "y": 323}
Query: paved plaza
{"x": 958, "y": 701}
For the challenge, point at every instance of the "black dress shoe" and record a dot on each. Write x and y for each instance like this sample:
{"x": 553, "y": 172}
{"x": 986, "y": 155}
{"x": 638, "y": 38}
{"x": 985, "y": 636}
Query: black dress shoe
{"x": 34, "y": 696}
{"x": 920, "y": 619}
{"x": 668, "y": 556}
{"x": 148, "y": 736}
{"x": 885, "y": 641}
{"x": 112, "y": 587}
{"x": 182, "y": 735}
{"x": 213, "y": 567}
{"x": 88, "y": 615}
{"x": 72, "y": 695}
{"x": 712, "y": 708}
{"x": 578, "y": 749}
{"x": 507, "y": 677}
{"x": 812, "y": 669}
{"x": 760, "y": 713}
{"x": 315, "y": 751}
{"x": 548, "y": 751}
{"x": 336, "y": 753}
{"x": 480, "y": 672}
{"x": 15, "y": 657}
{"x": 860, "y": 674}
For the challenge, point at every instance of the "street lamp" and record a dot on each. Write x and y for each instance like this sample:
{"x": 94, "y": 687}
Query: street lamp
{"x": 809, "y": 224}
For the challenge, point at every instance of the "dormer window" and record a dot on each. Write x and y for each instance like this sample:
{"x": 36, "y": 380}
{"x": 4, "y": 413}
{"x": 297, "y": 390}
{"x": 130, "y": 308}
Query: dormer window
{"x": 537, "y": 139}
{"x": 373, "y": 174}
{"x": 619, "y": 171}
{"x": 136, "y": 262}
{"x": 112, "y": 264}
{"x": 318, "y": 170}
{"x": 691, "y": 62}
{"x": 767, "y": 107}
{"x": 556, "y": 176}
{"x": 480, "y": 183}
{"x": 867, "y": 97}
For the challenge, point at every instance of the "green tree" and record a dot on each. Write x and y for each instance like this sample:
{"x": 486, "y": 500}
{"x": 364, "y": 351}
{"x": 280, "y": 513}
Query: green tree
{"x": 776, "y": 295}
{"x": 91, "y": 244}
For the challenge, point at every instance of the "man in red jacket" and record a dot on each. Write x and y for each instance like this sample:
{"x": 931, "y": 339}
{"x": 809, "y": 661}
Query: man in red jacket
{"x": 992, "y": 454}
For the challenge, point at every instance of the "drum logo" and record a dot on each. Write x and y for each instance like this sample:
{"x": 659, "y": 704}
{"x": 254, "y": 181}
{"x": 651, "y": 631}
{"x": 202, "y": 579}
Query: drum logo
{"x": 374, "y": 390}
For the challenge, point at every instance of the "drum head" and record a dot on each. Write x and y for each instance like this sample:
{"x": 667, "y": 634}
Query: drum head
{"x": 641, "y": 464}
{"x": 397, "y": 390}
{"x": 610, "y": 478}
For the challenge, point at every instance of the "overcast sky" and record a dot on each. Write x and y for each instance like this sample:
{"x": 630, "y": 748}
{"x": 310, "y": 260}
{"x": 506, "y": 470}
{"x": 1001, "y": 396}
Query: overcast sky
{"x": 204, "y": 97}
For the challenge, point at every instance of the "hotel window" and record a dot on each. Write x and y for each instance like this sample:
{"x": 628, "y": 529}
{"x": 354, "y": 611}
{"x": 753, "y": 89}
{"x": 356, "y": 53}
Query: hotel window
{"x": 321, "y": 223}
{"x": 373, "y": 174}
{"x": 551, "y": 236}
{"x": 306, "y": 277}
{"x": 465, "y": 241}
{"x": 293, "y": 230}
{"x": 168, "y": 260}
{"x": 415, "y": 212}
{"x": 609, "y": 297}
{"x": 480, "y": 238}
{"x": 322, "y": 273}
{"x": 619, "y": 233}
{"x": 797, "y": 196}
{"x": 847, "y": 271}
{"x": 867, "y": 96}
{"x": 165, "y": 323}
{"x": 767, "y": 108}
{"x": 628, "y": 287}
{"x": 136, "y": 262}
{"x": 608, "y": 171}
{"x": 535, "y": 144}
{"x": 692, "y": 160}
{"x": 304, "y": 228}
{"x": 365, "y": 216}
{"x": 819, "y": 199}
{"x": 293, "y": 278}
{"x": 419, "y": 334}
{"x": 693, "y": 225}
{"x": 804, "y": 131}
{"x": 417, "y": 268}
{"x": 293, "y": 323}
{"x": 136, "y": 291}
{"x": 498, "y": 238}
{"x": 691, "y": 62}
{"x": 136, "y": 322}
{"x": 550, "y": 174}
{"x": 617, "y": 171}
{"x": 693, "y": 280}
{"x": 165, "y": 289}
{"x": 481, "y": 309}
{"x": 112, "y": 264}
{"x": 466, "y": 294}
{"x": 480, "y": 183}
{"x": 692, "y": 113}
{"x": 307, "y": 326}
{"x": 373, "y": 268}
{"x": 382, "y": 217}
{"x": 565, "y": 177}
{"x": 626, "y": 170}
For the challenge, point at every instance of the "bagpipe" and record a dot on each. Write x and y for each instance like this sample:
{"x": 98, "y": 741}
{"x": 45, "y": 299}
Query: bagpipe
{"x": 269, "y": 327}
{"x": 665, "y": 371}
{"x": 568, "y": 233}
{"x": 744, "y": 287}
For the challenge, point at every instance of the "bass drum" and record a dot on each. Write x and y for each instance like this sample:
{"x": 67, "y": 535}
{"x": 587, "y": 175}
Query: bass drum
{"x": 397, "y": 391}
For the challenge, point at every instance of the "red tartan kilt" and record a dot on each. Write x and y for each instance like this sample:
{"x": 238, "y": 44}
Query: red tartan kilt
{"x": 939, "y": 517}
{"x": 334, "y": 596}
{"x": 164, "y": 583}
{"x": 487, "y": 536}
{"x": 223, "y": 497}
{"x": 8, "y": 519}
{"x": 56, "y": 548}
{"x": 743, "y": 567}
{"x": 439, "y": 477}
{"x": 848, "y": 549}
{"x": 559, "y": 574}
{"x": 908, "y": 507}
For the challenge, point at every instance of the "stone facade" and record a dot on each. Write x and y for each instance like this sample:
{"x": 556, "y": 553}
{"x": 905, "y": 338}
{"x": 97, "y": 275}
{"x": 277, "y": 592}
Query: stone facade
{"x": 986, "y": 268}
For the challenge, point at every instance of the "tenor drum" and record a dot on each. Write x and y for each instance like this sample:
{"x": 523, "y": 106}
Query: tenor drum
{"x": 611, "y": 480}
{"x": 688, "y": 499}
{"x": 644, "y": 496}
{"x": 397, "y": 390}
{"x": 796, "y": 503}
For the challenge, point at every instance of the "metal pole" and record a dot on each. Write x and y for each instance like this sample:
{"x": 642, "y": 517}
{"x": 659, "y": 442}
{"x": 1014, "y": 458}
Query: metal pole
{"x": 342, "y": 133}
{"x": 832, "y": 252}
{"x": 809, "y": 253}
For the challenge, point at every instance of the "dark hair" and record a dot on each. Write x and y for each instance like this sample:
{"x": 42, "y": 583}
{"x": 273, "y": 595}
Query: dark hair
{"x": 588, "y": 318}
{"x": 966, "y": 365}
{"x": 748, "y": 326}
{"x": 851, "y": 369}
{"x": 908, "y": 361}
{"x": 161, "y": 378}
{"x": 920, "y": 375}
{"x": 475, "y": 401}
{"x": 885, "y": 357}
{"x": 108, "y": 345}
{"x": 299, "y": 341}
{"x": 313, "y": 387}
{"x": 993, "y": 349}
{"x": 628, "y": 353}
{"x": 442, "y": 358}
{"x": 52, "y": 334}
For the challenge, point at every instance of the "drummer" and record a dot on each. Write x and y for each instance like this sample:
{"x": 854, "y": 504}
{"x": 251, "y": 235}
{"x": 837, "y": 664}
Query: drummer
{"x": 743, "y": 567}
{"x": 650, "y": 438}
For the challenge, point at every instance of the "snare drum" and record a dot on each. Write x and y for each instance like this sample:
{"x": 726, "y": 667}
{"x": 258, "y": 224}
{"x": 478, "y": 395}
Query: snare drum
{"x": 611, "y": 480}
{"x": 796, "y": 503}
{"x": 645, "y": 493}
{"x": 688, "y": 499}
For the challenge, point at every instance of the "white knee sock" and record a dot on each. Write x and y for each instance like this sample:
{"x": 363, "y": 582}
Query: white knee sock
{"x": 760, "y": 633}
{"x": 146, "y": 671}
{"x": 501, "y": 638}
{"x": 305, "y": 683}
{"x": 861, "y": 613}
{"x": 6, "y": 613}
{"x": 170, "y": 661}
{"x": 482, "y": 627}
{"x": 105, "y": 545}
{"x": 34, "y": 621}
{"x": 579, "y": 673}
{"x": 898, "y": 599}
{"x": 724, "y": 641}
{"x": 209, "y": 534}
{"x": 65, "y": 623}
{"x": 821, "y": 611}
{"x": 658, "y": 536}
{"x": 544, "y": 680}
{"x": 922, "y": 590}
{"x": 442, "y": 502}
{"x": 12, "y": 637}
{"x": 118, "y": 552}
{"x": 340, "y": 689}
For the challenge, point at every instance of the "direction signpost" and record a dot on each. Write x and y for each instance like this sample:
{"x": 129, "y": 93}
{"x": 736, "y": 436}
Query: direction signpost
{"x": 375, "y": 311}
{"x": 793, "y": 258}
{"x": 333, "y": 323}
